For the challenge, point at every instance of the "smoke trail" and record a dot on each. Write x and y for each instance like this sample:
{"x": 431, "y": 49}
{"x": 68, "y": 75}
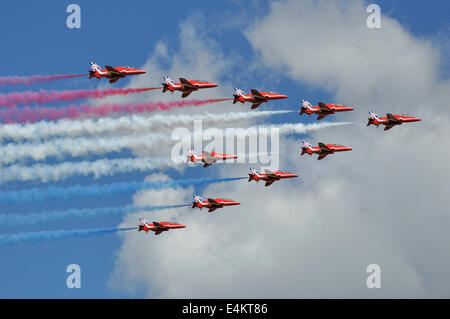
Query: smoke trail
{"x": 35, "y": 218}
{"x": 297, "y": 128}
{"x": 153, "y": 142}
{"x": 41, "y": 97}
{"x": 34, "y": 114}
{"x": 96, "y": 190}
{"x": 104, "y": 167}
{"x": 27, "y": 80}
{"x": 56, "y": 234}
{"x": 125, "y": 124}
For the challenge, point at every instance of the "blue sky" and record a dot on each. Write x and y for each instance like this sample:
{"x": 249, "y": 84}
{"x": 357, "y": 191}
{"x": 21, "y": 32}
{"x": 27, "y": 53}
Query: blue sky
{"x": 37, "y": 41}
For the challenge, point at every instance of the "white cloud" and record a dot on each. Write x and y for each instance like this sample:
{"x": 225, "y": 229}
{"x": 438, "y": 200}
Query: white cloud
{"x": 385, "y": 202}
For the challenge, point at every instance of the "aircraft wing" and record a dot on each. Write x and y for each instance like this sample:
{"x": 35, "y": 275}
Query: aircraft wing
{"x": 324, "y": 148}
{"x": 113, "y": 71}
{"x": 321, "y": 116}
{"x": 392, "y": 119}
{"x": 186, "y": 85}
{"x": 113, "y": 80}
{"x": 212, "y": 202}
{"x": 322, "y": 156}
{"x": 208, "y": 159}
{"x": 255, "y": 105}
{"x": 324, "y": 108}
{"x": 185, "y": 94}
{"x": 388, "y": 127}
{"x": 158, "y": 232}
{"x": 159, "y": 226}
{"x": 271, "y": 175}
{"x": 268, "y": 183}
{"x": 258, "y": 96}
{"x": 213, "y": 205}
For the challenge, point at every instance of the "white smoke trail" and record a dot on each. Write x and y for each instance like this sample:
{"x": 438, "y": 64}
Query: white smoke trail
{"x": 98, "y": 168}
{"x": 154, "y": 142}
{"x": 122, "y": 125}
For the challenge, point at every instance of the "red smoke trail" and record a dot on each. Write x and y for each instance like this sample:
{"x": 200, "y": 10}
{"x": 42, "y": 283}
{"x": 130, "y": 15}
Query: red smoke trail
{"x": 28, "y": 80}
{"x": 42, "y": 97}
{"x": 30, "y": 115}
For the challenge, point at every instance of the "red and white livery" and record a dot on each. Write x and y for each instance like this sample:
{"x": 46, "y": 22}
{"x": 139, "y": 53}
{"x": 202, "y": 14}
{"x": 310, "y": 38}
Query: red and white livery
{"x": 185, "y": 86}
{"x": 157, "y": 227}
{"x": 390, "y": 120}
{"x": 207, "y": 158}
{"x": 212, "y": 203}
{"x": 256, "y": 97}
{"x": 113, "y": 74}
{"x": 323, "y": 109}
{"x": 268, "y": 176}
{"x": 322, "y": 149}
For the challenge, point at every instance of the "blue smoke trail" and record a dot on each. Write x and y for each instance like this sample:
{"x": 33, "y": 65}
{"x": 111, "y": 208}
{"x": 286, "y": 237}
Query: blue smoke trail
{"x": 56, "y": 234}
{"x": 40, "y": 195}
{"x": 35, "y": 218}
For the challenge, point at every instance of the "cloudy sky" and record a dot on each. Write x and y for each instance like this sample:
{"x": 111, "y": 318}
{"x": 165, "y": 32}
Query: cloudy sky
{"x": 384, "y": 203}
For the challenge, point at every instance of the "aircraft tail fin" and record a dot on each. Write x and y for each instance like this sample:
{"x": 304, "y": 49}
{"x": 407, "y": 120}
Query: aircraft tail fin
{"x": 372, "y": 118}
{"x": 305, "y": 145}
{"x": 142, "y": 223}
{"x": 305, "y": 108}
{"x": 167, "y": 83}
{"x": 237, "y": 94}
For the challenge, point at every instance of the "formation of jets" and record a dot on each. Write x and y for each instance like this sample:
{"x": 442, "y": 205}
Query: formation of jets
{"x": 256, "y": 98}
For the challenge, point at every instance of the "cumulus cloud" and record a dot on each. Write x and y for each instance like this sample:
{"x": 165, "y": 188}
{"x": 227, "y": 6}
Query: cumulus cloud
{"x": 385, "y": 202}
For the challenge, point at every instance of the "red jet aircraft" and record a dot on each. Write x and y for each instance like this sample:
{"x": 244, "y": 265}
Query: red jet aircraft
{"x": 268, "y": 176}
{"x": 323, "y": 109}
{"x": 156, "y": 227}
{"x": 256, "y": 98}
{"x": 113, "y": 74}
{"x": 389, "y": 121}
{"x": 185, "y": 86}
{"x": 212, "y": 203}
{"x": 207, "y": 158}
{"x": 323, "y": 149}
